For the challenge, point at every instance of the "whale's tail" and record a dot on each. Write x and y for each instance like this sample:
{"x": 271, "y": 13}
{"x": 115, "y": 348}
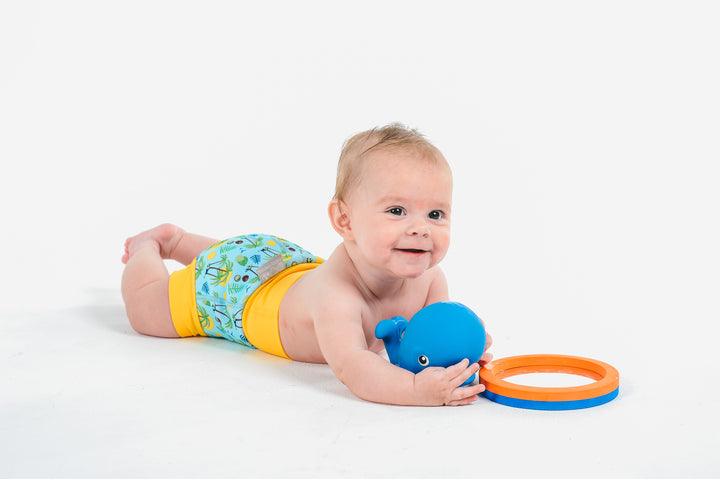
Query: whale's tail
{"x": 390, "y": 331}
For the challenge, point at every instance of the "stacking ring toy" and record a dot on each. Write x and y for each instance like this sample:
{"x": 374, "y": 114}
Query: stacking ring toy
{"x": 603, "y": 390}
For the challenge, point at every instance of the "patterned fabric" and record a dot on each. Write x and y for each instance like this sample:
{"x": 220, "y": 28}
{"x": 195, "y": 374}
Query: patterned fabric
{"x": 228, "y": 272}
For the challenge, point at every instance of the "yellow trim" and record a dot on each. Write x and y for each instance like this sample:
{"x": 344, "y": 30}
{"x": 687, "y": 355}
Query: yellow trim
{"x": 184, "y": 313}
{"x": 262, "y": 309}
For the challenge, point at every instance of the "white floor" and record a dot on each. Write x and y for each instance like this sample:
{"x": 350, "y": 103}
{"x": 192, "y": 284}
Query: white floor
{"x": 584, "y": 141}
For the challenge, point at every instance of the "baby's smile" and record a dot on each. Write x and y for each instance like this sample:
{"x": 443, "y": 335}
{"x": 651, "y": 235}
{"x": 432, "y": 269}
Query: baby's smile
{"x": 413, "y": 251}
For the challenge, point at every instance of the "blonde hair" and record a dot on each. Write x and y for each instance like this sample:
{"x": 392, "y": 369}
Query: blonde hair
{"x": 394, "y": 135}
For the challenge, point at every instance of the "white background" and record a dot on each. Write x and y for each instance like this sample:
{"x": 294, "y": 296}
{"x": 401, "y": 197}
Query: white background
{"x": 584, "y": 142}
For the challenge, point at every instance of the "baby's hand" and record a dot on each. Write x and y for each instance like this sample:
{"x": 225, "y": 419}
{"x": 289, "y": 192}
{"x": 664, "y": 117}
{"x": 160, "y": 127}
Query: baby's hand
{"x": 441, "y": 386}
{"x": 486, "y": 357}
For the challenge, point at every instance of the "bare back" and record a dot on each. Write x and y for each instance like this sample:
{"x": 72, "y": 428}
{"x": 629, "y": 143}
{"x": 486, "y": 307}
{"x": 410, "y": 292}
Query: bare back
{"x": 335, "y": 288}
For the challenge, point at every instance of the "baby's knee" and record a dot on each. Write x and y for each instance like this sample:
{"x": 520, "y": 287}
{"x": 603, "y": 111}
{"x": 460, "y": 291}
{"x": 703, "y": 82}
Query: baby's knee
{"x": 149, "y": 313}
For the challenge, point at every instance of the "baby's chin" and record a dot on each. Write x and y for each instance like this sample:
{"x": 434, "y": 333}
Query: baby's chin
{"x": 411, "y": 273}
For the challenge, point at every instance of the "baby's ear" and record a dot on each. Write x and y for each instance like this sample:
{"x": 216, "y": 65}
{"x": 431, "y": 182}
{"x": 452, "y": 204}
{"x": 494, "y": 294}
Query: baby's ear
{"x": 339, "y": 219}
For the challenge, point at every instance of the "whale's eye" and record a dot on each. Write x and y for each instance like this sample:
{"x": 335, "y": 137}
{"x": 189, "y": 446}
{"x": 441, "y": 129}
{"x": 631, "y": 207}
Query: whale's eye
{"x": 423, "y": 360}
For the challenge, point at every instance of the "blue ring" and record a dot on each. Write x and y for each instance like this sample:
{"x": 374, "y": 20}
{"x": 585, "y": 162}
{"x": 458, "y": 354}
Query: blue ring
{"x": 551, "y": 405}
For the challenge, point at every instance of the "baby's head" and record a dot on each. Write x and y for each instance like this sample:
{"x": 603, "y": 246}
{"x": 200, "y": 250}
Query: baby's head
{"x": 392, "y": 201}
{"x": 393, "y": 137}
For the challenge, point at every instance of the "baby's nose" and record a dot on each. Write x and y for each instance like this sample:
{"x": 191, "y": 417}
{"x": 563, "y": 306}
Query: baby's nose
{"x": 419, "y": 228}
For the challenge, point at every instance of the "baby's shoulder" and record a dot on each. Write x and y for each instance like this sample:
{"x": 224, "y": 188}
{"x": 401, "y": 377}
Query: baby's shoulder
{"x": 325, "y": 298}
{"x": 330, "y": 284}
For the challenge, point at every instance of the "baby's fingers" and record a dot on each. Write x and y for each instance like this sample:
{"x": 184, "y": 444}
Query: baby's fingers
{"x": 457, "y": 369}
{"x": 485, "y": 358}
{"x": 466, "y": 395}
{"x": 461, "y": 372}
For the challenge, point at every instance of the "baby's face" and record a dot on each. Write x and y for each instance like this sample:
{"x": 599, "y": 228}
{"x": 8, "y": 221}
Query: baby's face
{"x": 400, "y": 212}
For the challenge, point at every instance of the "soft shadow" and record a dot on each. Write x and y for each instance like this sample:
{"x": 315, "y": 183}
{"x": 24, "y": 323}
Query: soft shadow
{"x": 318, "y": 377}
{"x": 105, "y": 309}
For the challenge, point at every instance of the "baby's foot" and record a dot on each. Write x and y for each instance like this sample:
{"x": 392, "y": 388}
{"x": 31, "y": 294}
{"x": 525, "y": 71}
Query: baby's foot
{"x": 165, "y": 237}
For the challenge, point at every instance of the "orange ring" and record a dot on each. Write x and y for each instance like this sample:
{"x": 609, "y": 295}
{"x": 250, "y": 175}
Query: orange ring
{"x": 607, "y": 378}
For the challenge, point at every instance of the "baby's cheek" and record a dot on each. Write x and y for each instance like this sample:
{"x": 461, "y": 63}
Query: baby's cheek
{"x": 441, "y": 246}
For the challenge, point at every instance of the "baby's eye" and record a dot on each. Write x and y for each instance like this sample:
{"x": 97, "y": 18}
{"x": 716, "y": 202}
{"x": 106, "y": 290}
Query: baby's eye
{"x": 436, "y": 215}
{"x": 396, "y": 211}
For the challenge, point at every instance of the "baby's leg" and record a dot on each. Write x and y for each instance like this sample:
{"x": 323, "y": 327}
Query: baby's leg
{"x": 145, "y": 279}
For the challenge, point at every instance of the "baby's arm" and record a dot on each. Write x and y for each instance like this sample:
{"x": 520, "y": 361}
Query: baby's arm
{"x": 370, "y": 377}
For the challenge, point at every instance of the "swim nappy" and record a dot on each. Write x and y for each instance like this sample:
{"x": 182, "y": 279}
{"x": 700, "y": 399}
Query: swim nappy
{"x": 233, "y": 290}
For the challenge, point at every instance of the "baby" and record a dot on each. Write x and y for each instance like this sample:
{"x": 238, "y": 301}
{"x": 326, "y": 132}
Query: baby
{"x": 391, "y": 207}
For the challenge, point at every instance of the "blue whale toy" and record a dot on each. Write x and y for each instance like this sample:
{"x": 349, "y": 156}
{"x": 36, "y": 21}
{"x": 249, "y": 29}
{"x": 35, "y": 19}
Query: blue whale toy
{"x": 441, "y": 334}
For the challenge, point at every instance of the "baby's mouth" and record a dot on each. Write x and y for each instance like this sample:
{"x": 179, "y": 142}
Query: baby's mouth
{"x": 411, "y": 250}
